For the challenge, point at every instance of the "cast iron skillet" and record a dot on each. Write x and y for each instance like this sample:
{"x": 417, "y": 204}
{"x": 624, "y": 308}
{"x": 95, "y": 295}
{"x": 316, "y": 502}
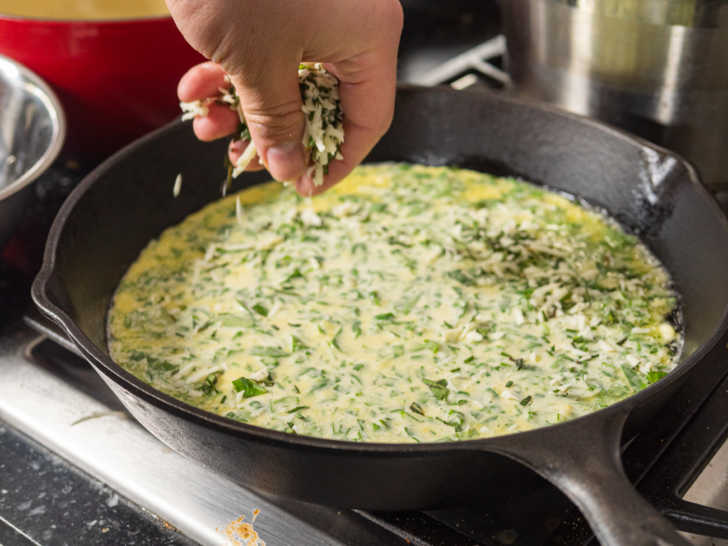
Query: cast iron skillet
{"x": 128, "y": 200}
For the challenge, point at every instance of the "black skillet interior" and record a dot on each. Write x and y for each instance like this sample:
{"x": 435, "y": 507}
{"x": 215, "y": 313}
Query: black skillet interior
{"x": 128, "y": 201}
{"x": 644, "y": 189}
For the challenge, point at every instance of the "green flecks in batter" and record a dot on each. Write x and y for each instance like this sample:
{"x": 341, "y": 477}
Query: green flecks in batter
{"x": 408, "y": 303}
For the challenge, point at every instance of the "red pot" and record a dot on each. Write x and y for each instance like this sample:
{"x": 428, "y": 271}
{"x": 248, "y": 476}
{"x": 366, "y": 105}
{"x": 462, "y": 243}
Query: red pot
{"x": 116, "y": 79}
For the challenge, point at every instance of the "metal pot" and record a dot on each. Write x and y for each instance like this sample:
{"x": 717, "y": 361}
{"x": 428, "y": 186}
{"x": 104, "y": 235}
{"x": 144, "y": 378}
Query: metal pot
{"x": 32, "y": 129}
{"x": 658, "y": 68}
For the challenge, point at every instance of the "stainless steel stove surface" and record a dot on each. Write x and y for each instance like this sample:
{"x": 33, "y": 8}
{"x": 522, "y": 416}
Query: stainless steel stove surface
{"x": 75, "y": 468}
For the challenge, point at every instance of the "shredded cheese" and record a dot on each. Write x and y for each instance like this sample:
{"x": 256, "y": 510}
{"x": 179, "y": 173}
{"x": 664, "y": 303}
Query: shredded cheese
{"x": 193, "y": 109}
{"x": 177, "y": 187}
{"x": 323, "y": 133}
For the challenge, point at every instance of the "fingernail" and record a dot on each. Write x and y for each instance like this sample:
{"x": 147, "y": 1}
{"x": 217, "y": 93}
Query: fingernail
{"x": 285, "y": 161}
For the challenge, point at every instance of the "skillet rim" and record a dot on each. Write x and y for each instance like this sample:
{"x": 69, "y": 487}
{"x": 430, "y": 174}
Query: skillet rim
{"x": 102, "y": 362}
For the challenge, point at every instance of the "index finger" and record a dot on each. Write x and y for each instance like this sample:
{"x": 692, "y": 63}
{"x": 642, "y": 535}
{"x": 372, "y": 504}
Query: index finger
{"x": 201, "y": 81}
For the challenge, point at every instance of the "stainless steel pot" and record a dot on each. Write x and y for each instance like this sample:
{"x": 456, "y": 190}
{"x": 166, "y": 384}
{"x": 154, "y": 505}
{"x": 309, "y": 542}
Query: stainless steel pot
{"x": 32, "y": 129}
{"x": 658, "y": 68}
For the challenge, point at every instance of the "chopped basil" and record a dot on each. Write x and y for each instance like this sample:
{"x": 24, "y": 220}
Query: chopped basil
{"x": 260, "y": 309}
{"x": 438, "y": 388}
{"x": 248, "y": 387}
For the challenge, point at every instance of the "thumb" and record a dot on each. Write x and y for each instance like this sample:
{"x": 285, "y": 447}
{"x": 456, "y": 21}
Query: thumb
{"x": 270, "y": 99}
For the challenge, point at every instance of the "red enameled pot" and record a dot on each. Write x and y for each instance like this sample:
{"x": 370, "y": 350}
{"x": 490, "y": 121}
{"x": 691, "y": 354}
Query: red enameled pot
{"x": 116, "y": 79}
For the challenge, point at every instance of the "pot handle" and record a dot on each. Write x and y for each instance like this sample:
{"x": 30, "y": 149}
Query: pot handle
{"x": 582, "y": 458}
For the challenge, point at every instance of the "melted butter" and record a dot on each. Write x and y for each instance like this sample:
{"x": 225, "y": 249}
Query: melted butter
{"x": 407, "y": 303}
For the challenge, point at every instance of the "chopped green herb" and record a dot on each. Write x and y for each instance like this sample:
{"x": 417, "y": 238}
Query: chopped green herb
{"x": 356, "y": 328}
{"x": 273, "y": 352}
{"x": 260, "y": 309}
{"x": 655, "y": 376}
{"x": 438, "y": 388}
{"x": 297, "y": 344}
{"x": 248, "y": 387}
{"x": 416, "y": 408}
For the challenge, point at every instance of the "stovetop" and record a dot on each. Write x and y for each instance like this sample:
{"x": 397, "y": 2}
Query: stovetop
{"x": 75, "y": 468}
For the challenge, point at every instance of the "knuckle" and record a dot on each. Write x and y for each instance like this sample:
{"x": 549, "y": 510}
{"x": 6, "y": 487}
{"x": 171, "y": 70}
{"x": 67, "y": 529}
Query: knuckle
{"x": 222, "y": 51}
{"x": 275, "y": 122}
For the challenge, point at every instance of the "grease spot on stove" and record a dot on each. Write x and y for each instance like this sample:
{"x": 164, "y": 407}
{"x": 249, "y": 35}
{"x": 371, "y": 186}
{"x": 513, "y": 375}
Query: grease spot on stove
{"x": 241, "y": 533}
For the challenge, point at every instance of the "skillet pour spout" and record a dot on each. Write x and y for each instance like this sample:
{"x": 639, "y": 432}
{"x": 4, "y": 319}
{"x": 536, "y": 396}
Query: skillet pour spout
{"x": 127, "y": 201}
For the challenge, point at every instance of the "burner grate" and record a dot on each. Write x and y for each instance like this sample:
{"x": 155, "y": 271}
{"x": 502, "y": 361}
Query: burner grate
{"x": 482, "y": 64}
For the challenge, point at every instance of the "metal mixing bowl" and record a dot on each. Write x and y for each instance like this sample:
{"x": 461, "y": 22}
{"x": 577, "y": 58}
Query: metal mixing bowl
{"x": 32, "y": 130}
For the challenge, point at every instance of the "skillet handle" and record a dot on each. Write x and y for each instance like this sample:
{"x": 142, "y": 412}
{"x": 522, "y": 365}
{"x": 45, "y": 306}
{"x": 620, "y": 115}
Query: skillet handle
{"x": 583, "y": 460}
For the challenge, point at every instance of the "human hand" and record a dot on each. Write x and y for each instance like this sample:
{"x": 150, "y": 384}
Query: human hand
{"x": 261, "y": 44}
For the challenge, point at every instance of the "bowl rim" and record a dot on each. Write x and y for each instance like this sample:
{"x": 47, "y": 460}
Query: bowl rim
{"x": 42, "y": 19}
{"x": 58, "y": 119}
